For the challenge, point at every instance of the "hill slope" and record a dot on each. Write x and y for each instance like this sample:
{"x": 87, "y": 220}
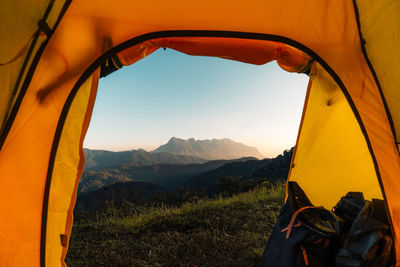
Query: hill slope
{"x": 139, "y": 193}
{"x": 270, "y": 169}
{"x": 209, "y": 149}
{"x": 222, "y": 232}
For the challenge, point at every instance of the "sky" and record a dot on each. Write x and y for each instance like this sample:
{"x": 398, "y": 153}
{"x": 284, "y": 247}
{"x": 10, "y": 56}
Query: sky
{"x": 171, "y": 94}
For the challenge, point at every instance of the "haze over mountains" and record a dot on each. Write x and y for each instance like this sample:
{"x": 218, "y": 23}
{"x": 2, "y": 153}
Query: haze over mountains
{"x": 176, "y": 151}
{"x": 209, "y": 149}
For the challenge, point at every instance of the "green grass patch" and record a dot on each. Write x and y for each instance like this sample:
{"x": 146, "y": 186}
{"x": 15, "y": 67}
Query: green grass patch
{"x": 212, "y": 232}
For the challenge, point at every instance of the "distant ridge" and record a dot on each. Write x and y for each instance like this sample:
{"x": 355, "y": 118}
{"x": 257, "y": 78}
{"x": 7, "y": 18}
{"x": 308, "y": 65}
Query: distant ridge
{"x": 274, "y": 169}
{"x": 209, "y": 149}
{"x": 139, "y": 184}
{"x": 100, "y": 159}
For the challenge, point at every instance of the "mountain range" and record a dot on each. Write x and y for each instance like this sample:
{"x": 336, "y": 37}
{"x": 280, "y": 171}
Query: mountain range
{"x": 117, "y": 185}
{"x": 138, "y": 175}
{"x": 209, "y": 149}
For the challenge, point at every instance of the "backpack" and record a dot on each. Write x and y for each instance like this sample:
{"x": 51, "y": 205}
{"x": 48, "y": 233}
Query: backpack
{"x": 304, "y": 235}
{"x": 366, "y": 241}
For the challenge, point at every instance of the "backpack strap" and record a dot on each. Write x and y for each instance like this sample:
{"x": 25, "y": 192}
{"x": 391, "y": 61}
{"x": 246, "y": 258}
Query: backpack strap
{"x": 294, "y": 216}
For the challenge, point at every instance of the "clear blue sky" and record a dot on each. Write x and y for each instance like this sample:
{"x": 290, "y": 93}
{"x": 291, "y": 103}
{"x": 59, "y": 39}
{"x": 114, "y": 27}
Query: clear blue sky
{"x": 171, "y": 94}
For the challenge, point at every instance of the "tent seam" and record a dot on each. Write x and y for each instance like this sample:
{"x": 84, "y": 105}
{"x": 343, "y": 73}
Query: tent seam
{"x": 371, "y": 68}
{"x": 389, "y": 116}
{"x": 7, "y": 122}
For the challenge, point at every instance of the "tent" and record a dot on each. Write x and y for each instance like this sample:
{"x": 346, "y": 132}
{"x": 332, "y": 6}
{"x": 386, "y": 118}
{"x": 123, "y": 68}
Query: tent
{"x": 52, "y": 53}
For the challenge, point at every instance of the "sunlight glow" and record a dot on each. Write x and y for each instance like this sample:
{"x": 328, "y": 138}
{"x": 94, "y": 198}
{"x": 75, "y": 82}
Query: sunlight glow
{"x": 171, "y": 94}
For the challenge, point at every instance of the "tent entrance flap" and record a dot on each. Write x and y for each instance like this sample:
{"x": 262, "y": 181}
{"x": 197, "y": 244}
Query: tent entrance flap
{"x": 331, "y": 156}
{"x": 256, "y": 52}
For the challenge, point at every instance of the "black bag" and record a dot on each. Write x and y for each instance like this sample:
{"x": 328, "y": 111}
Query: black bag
{"x": 348, "y": 209}
{"x": 367, "y": 242}
{"x": 304, "y": 235}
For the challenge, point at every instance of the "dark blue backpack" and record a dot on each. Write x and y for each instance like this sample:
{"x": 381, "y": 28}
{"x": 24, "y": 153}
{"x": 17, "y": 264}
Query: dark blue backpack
{"x": 304, "y": 235}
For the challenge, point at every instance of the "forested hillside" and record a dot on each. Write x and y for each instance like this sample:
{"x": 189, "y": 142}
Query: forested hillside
{"x": 275, "y": 169}
{"x": 167, "y": 175}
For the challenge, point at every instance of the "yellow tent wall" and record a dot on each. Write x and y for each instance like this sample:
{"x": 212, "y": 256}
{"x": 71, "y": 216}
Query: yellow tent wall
{"x": 380, "y": 27}
{"x": 331, "y": 147}
{"x": 39, "y": 170}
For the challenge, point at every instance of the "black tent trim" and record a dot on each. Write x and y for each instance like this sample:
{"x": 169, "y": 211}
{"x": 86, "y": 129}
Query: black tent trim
{"x": 371, "y": 67}
{"x": 49, "y": 32}
{"x": 388, "y": 114}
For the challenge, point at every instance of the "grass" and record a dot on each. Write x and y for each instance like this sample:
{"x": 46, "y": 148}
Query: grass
{"x": 213, "y": 232}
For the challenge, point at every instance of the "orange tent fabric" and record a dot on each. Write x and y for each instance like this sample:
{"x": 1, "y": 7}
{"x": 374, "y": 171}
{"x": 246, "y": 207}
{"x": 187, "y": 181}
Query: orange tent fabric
{"x": 49, "y": 60}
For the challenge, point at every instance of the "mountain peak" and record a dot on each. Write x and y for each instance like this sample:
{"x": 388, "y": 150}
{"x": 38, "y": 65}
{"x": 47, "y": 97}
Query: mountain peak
{"x": 174, "y": 139}
{"x": 210, "y": 149}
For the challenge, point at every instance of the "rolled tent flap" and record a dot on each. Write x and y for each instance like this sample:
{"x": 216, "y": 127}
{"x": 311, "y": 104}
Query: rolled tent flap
{"x": 248, "y": 51}
{"x": 68, "y": 167}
